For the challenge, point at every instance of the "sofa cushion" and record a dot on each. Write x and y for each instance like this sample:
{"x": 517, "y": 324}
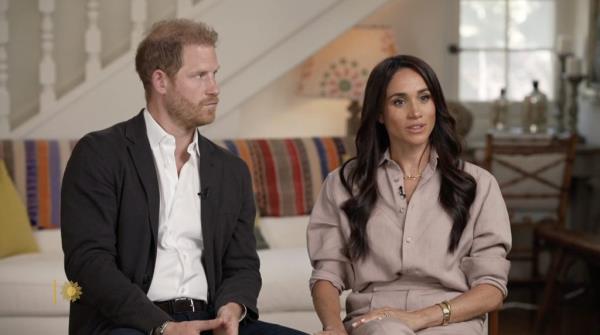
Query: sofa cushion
{"x": 26, "y": 283}
{"x": 48, "y": 240}
{"x": 285, "y": 231}
{"x": 285, "y": 274}
{"x": 16, "y": 236}
{"x": 28, "y": 279}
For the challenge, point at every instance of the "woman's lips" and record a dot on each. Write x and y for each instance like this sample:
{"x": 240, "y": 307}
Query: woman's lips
{"x": 416, "y": 128}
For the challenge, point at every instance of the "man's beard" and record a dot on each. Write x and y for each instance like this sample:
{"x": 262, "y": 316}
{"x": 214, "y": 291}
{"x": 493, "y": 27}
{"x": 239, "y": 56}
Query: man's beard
{"x": 189, "y": 115}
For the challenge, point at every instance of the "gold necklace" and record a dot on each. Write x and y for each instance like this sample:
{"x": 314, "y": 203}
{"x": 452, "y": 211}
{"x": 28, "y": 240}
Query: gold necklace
{"x": 417, "y": 176}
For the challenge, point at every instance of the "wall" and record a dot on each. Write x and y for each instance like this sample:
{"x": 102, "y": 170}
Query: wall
{"x": 422, "y": 28}
{"x": 278, "y": 111}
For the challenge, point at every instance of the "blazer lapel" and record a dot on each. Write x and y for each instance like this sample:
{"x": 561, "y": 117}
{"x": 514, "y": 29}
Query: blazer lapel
{"x": 143, "y": 160}
{"x": 210, "y": 178}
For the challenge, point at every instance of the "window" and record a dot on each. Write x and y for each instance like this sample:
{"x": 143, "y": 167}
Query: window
{"x": 506, "y": 43}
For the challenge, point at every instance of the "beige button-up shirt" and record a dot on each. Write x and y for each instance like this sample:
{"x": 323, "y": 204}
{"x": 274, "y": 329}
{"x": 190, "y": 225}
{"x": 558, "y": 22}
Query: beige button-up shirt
{"x": 410, "y": 240}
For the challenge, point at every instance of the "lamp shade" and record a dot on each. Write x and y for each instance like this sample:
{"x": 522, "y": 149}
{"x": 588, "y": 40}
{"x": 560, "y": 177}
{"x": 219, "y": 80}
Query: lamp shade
{"x": 341, "y": 69}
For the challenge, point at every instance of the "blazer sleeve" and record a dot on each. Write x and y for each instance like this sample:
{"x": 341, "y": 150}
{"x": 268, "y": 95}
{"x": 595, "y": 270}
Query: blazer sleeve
{"x": 241, "y": 276}
{"x": 89, "y": 210}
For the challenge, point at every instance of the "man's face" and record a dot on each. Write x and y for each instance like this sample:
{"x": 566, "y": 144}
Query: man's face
{"x": 193, "y": 94}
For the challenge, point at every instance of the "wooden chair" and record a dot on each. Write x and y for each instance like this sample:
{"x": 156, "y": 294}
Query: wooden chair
{"x": 534, "y": 174}
{"x": 567, "y": 245}
{"x": 493, "y": 323}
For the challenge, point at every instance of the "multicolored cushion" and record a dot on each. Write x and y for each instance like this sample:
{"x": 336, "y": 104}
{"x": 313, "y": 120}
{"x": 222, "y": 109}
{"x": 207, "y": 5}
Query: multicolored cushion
{"x": 16, "y": 237}
{"x": 287, "y": 173}
{"x": 36, "y": 168}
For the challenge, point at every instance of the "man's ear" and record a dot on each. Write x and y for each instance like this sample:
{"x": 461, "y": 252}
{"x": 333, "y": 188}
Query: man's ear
{"x": 160, "y": 81}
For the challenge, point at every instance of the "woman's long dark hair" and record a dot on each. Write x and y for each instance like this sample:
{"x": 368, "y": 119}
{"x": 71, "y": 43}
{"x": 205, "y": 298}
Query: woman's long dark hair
{"x": 458, "y": 188}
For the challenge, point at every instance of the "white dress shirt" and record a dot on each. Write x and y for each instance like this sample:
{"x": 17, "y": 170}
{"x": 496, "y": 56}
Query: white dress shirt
{"x": 178, "y": 271}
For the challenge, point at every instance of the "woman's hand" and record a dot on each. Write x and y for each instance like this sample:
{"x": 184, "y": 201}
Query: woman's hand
{"x": 412, "y": 320}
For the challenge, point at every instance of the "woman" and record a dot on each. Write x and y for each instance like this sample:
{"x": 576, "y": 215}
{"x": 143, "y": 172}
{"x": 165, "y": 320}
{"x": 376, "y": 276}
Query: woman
{"x": 419, "y": 236}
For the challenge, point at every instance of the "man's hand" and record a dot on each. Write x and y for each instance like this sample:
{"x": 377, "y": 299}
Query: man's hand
{"x": 229, "y": 316}
{"x": 191, "y": 327}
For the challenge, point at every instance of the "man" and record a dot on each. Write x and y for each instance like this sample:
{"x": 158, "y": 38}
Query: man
{"x": 157, "y": 221}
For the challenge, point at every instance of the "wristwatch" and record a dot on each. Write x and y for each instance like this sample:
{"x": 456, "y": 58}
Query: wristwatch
{"x": 160, "y": 330}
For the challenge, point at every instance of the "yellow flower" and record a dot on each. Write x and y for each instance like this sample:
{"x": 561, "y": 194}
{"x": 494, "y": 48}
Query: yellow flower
{"x": 71, "y": 291}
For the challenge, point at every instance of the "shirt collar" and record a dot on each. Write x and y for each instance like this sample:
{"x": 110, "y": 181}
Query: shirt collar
{"x": 433, "y": 158}
{"x": 156, "y": 134}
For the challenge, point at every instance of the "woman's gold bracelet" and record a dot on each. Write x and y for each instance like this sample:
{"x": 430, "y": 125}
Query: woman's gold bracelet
{"x": 446, "y": 312}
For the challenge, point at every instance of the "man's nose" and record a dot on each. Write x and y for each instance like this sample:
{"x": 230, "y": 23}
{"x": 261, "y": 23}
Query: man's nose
{"x": 213, "y": 86}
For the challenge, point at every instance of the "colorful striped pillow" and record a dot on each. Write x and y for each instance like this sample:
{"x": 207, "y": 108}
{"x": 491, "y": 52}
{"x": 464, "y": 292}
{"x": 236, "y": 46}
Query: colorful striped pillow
{"x": 36, "y": 168}
{"x": 287, "y": 173}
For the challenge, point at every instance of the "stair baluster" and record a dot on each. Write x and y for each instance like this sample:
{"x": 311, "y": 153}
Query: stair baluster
{"x": 47, "y": 65}
{"x": 93, "y": 42}
{"x": 139, "y": 14}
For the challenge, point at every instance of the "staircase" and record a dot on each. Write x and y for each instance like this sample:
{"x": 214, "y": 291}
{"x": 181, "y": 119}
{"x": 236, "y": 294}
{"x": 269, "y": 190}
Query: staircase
{"x": 259, "y": 40}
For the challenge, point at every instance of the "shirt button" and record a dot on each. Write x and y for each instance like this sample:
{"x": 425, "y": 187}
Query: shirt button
{"x": 401, "y": 209}
{"x": 408, "y": 239}
{"x": 396, "y": 180}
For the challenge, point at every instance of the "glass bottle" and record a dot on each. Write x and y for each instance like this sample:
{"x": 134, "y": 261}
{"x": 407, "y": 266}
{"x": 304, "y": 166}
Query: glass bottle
{"x": 535, "y": 107}
{"x": 500, "y": 111}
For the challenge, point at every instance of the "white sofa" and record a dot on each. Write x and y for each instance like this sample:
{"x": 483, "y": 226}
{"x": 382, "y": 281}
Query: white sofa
{"x": 27, "y": 304}
{"x": 287, "y": 175}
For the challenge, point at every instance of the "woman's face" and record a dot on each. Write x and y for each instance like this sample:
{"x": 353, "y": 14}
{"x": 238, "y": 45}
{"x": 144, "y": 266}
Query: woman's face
{"x": 409, "y": 111}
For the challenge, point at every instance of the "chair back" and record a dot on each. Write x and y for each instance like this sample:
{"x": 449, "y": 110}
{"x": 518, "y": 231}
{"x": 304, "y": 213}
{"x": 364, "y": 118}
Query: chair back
{"x": 534, "y": 174}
